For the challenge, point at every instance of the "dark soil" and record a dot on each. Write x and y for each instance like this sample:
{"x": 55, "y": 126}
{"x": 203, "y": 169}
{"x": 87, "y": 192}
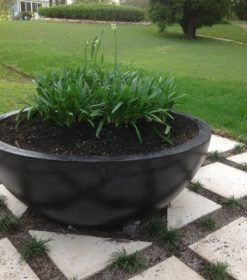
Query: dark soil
{"x": 44, "y": 136}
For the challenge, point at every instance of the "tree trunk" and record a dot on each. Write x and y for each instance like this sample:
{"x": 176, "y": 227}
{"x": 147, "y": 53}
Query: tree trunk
{"x": 50, "y": 3}
{"x": 189, "y": 29}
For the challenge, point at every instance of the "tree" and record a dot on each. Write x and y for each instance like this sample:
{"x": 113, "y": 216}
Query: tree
{"x": 5, "y": 6}
{"x": 190, "y": 14}
{"x": 240, "y": 8}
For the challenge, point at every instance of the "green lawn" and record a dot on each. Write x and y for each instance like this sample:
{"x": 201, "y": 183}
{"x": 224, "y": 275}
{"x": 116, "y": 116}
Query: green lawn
{"x": 225, "y": 31}
{"x": 212, "y": 73}
{"x": 13, "y": 89}
{"x": 242, "y": 24}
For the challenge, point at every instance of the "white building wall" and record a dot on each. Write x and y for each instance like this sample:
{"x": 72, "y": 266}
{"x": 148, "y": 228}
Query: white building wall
{"x": 16, "y": 8}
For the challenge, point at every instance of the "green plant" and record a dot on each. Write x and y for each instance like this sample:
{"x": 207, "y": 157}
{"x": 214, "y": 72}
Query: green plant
{"x": 239, "y": 148}
{"x": 225, "y": 21}
{"x": 217, "y": 271}
{"x": 5, "y": 6}
{"x": 154, "y": 228}
{"x": 208, "y": 223}
{"x": 170, "y": 238}
{"x": 129, "y": 263}
{"x": 232, "y": 202}
{"x": 8, "y": 223}
{"x": 34, "y": 248}
{"x": 214, "y": 155}
{"x": 94, "y": 12}
{"x": 2, "y": 200}
{"x": 243, "y": 166}
{"x": 190, "y": 14}
{"x": 4, "y": 17}
{"x": 100, "y": 96}
{"x": 24, "y": 16}
{"x": 196, "y": 186}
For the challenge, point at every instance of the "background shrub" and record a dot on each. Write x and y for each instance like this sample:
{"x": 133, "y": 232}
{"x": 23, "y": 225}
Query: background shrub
{"x": 4, "y": 17}
{"x": 5, "y": 9}
{"x": 190, "y": 14}
{"x": 240, "y": 8}
{"x": 94, "y": 12}
{"x": 24, "y": 16}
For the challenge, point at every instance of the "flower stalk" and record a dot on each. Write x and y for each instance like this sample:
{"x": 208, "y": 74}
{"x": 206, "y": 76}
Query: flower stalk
{"x": 114, "y": 29}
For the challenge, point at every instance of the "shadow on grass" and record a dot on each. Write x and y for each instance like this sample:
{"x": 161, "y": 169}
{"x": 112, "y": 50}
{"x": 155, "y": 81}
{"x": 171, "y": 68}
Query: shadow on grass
{"x": 179, "y": 36}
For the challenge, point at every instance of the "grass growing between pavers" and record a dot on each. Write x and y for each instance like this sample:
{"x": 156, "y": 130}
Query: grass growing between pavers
{"x": 153, "y": 229}
{"x": 196, "y": 186}
{"x": 129, "y": 263}
{"x": 34, "y": 248}
{"x": 243, "y": 166}
{"x": 208, "y": 223}
{"x": 156, "y": 230}
{"x": 239, "y": 148}
{"x": 211, "y": 73}
{"x": 217, "y": 271}
{"x": 2, "y": 200}
{"x": 8, "y": 223}
{"x": 233, "y": 202}
{"x": 170, "y": 238}
{"x": 214, "y": 156}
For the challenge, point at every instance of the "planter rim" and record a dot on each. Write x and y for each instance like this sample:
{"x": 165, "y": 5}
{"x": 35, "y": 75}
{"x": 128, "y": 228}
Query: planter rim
{"x": 204, "y": 133}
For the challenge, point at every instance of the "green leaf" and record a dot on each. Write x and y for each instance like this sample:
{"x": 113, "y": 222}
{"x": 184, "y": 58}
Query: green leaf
{"x": 117, "y": 107}
{"x": 167, "y": 130}
{"x": 99, "y": 128}
{"x": 137, "y": 132}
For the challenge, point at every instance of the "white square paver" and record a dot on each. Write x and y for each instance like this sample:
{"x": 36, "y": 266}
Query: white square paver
{"x": 240, "y": 159}
{"x": 221, "y": 144}
{"x": 170, "y": 269}
{"x": 187, "y": 207}
{"x": 11, "y": 268}
{"x": 13, "y": 204}
{"x": 229, "y": 245}
{"x": 80, "y": 256}
{"x": 222, "y": 179}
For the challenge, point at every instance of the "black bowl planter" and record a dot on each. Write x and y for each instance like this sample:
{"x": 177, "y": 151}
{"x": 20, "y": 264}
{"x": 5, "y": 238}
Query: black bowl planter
{"x": 100, "y": 190}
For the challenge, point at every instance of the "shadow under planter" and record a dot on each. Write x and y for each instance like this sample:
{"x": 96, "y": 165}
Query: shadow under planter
{"x": 101, "y": 190}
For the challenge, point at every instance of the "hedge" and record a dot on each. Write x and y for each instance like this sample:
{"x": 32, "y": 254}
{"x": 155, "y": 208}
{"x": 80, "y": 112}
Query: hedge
{"x": 94, "y": 12}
